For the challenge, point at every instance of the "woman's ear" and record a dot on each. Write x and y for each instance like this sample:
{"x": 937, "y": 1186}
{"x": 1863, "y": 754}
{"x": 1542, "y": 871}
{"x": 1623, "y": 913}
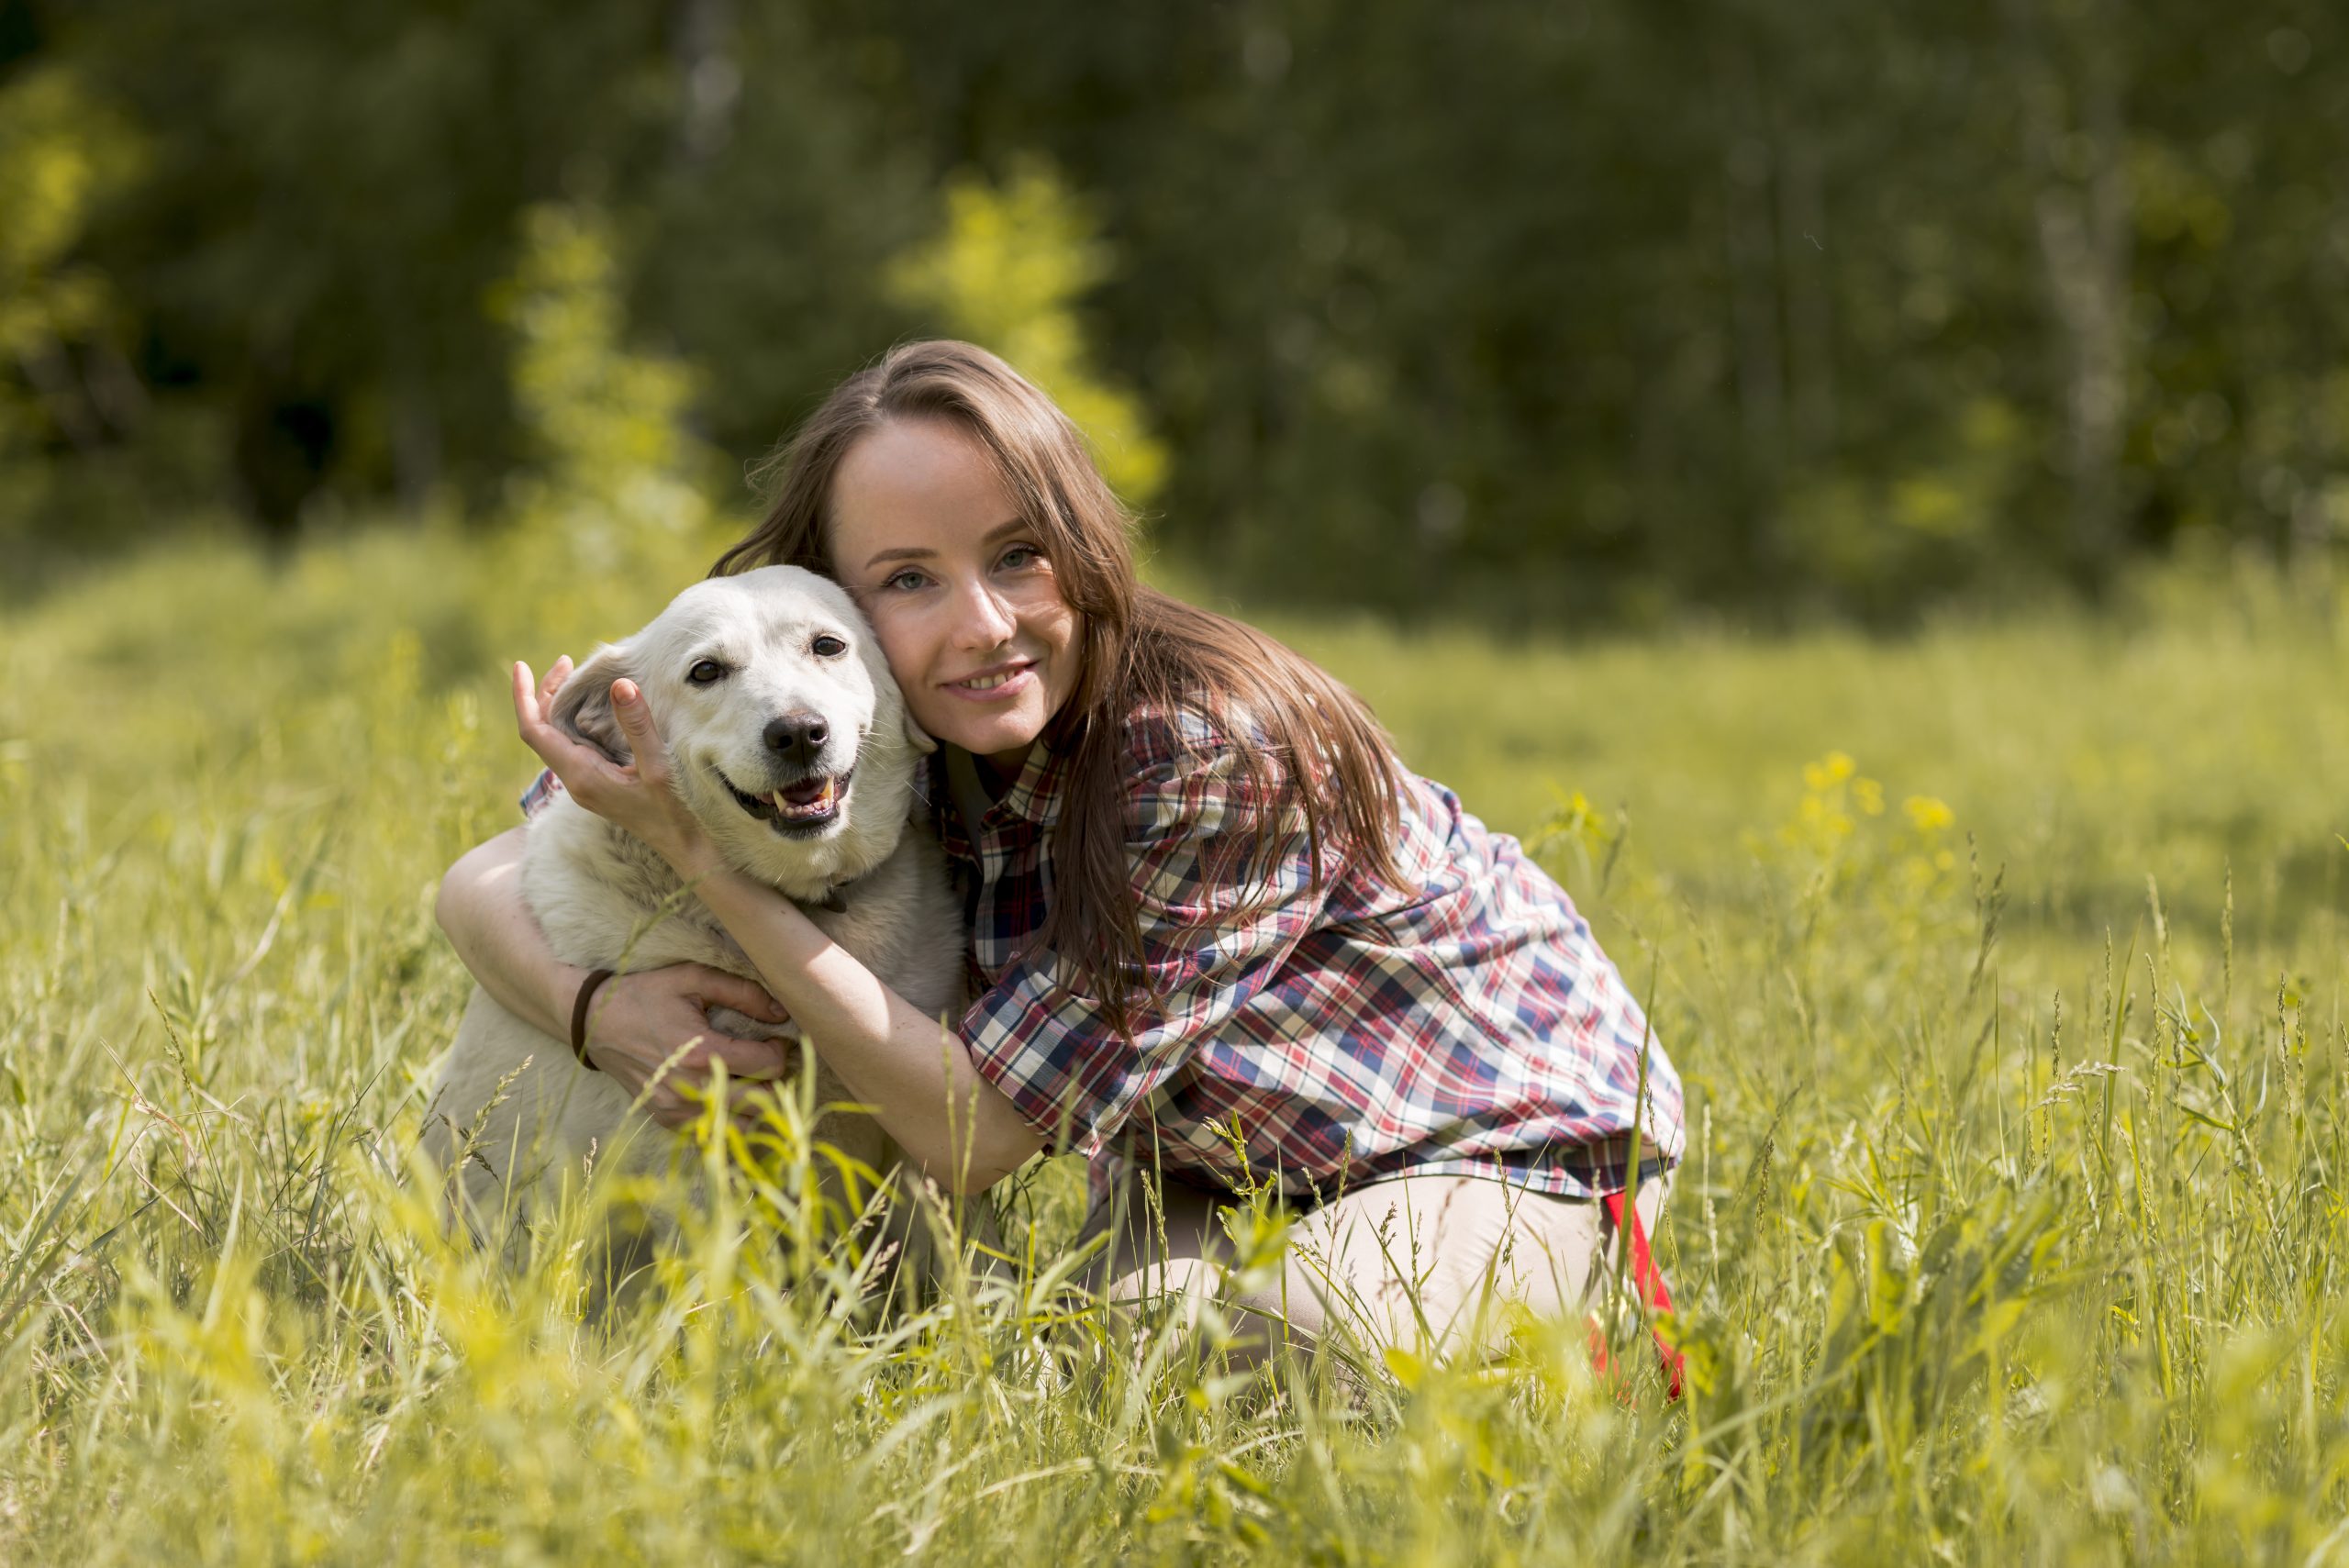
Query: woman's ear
{"x": 583, "y": 708}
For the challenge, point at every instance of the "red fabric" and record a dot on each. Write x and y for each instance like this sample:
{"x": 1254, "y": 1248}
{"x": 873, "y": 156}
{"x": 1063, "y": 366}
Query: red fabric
{"x": 1651, "y": 1288}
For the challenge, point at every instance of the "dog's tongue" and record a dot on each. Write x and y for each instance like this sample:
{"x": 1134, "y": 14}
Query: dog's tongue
{"x": 808, "y": 797}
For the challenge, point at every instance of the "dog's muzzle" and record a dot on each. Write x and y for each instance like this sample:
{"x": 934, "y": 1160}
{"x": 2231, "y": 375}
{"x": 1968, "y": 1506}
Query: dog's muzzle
{"x": 800, "y": 808}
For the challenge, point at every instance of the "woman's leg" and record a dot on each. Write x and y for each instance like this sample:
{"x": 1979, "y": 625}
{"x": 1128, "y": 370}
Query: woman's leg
{"x": 1170, "y": 1244}
{"x": 1419, "y": 1263}
{"x": 1426, "y": 1263}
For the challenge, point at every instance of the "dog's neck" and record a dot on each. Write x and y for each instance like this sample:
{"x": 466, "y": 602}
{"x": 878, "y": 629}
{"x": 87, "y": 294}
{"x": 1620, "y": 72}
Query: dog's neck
{"x": 811, "y": 886}
{"x": 834, "y": 902}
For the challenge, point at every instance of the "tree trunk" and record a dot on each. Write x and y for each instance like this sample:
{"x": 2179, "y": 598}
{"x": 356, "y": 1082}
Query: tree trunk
{"x": 2083, "y": 210}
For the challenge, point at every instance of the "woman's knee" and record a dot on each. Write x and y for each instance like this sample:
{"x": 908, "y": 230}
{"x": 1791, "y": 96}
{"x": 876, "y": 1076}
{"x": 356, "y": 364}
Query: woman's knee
{"x": 1442, "y": 1264}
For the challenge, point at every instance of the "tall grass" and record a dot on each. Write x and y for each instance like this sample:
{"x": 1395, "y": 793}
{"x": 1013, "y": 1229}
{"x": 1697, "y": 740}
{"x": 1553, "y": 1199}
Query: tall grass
{"x": 2012, "y": 1225}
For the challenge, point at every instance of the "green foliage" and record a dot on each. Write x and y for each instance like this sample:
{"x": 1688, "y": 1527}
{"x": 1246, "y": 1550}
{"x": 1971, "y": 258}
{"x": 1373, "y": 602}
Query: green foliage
{"x": 330, "y": 197}
{"x": 763, "y": 234}
{"x": 64, "y": 153}
{"x": 2008, "y": 1229}
{"x": 1007, "y": 272}
{"x": 60, "y": 155}
{"x": 616, "y": 466}
{"x": 1574, "y": 316}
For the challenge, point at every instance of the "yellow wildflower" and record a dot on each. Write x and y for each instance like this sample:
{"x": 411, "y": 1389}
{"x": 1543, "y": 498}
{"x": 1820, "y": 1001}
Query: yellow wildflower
{"x": 1828, "y": 771}
{"x": 1929, "y": 814}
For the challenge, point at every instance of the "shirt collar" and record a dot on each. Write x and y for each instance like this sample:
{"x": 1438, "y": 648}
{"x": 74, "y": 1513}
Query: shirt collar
{"x": 1034, "y": 796}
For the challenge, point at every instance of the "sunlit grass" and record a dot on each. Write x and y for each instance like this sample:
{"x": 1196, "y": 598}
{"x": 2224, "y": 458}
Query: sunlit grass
{"x": 2011, "y": 1226}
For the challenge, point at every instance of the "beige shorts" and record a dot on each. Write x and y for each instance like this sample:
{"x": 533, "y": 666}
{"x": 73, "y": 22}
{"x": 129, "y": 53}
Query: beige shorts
{"x": 1421, "y": 1264}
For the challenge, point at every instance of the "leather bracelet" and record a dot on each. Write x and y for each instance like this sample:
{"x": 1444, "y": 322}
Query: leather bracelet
{"x": 579, "y": 1018}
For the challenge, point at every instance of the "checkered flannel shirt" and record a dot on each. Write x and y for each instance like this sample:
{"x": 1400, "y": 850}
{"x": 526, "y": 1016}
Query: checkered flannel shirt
{"x": 1326, "y": 1038}
{"x": 1317, "y": 1040}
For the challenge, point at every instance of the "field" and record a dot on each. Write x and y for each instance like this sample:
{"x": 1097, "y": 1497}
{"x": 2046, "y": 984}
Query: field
{"x": 2004, "y": 963}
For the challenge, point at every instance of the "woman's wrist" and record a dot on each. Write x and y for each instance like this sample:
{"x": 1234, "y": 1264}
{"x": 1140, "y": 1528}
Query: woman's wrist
{"x": 693, "y": 857}
{"x": 561, "y": 990}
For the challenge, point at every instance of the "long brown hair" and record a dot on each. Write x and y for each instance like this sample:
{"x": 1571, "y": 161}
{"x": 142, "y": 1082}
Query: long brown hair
{"x": 1300, "y": 737}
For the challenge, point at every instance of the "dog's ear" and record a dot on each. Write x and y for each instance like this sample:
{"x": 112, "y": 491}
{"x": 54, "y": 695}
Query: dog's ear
{"x": 583, "y": 708}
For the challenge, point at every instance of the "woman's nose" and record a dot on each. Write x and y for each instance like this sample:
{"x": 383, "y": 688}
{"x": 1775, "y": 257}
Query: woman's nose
{"x": 982, "y": 619}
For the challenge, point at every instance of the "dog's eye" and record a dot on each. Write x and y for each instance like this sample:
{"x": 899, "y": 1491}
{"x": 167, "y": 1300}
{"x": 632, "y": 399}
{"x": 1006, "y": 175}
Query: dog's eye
{"x": 828, "y": 647}
{"x": 709, "y": 671}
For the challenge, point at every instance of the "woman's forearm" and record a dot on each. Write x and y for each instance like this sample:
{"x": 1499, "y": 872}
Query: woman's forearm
{"x": 959, "y": 1129}
{"x": 480, "y": 909}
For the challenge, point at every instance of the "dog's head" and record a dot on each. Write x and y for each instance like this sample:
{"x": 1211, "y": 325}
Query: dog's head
{"x": 787, "y": 737}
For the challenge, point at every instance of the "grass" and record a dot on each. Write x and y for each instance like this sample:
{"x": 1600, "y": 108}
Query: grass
{"x": 2003, "y": 963}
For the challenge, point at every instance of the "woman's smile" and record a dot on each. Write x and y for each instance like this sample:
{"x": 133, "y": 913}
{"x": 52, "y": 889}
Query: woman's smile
{"x": 995, "y": 685}
{"x": 960, "y": 593}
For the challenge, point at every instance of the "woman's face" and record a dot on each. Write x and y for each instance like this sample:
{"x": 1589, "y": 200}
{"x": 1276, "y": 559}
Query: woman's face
{"x": 957, "y": 586}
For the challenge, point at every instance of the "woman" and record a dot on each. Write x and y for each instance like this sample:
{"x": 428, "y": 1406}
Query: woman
{"x": 1220, "y": 936}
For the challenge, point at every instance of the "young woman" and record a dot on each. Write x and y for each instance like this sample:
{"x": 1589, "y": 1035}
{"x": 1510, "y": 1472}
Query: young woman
{"x": 1219, "y": 935}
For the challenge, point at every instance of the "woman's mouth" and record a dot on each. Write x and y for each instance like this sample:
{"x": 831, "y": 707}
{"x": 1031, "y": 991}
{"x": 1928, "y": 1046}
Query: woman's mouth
{"x": 993, "y": 685}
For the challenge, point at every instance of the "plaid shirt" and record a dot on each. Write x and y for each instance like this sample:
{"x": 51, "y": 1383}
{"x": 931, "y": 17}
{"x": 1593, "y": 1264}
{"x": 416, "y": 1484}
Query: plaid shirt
{"x": 1473, "y": 1028}
{"x": 1328, "y": 1038}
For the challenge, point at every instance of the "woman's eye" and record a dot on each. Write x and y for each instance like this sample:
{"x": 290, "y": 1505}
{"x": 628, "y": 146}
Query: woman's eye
{"x": 903, "y": 581}
{"x": 1020, "y": 556}
{"x": 708, "y": 672}
{"x": 828, "y": 646}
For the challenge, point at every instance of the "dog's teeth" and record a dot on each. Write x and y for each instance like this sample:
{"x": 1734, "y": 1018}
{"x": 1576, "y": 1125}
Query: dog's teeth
{"x": 781, "y": 805}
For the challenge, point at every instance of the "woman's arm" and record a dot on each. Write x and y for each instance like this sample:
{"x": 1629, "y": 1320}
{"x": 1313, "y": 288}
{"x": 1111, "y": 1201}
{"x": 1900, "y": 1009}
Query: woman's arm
{"x": 910, "y": 1068}
{"x": 637, "y": 1021}
{"x": 481, "y": 911}
{"x": 913, "y": 1072}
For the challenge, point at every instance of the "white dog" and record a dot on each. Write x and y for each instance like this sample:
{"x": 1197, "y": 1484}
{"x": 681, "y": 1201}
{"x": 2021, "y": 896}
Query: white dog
{"x": 791, "y": 745}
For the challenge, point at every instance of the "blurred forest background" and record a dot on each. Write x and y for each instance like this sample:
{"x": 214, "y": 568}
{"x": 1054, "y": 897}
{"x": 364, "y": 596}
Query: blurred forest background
{"x": 1563, "y": 312}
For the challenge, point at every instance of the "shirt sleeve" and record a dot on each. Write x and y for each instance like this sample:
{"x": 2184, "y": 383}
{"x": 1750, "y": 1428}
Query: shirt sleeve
{"x": 1220, "y": 913}
{"x": 542, "y": 791}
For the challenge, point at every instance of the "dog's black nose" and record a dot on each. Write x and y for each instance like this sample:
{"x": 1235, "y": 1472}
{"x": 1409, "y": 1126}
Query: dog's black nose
{"x": 796, "y": 736}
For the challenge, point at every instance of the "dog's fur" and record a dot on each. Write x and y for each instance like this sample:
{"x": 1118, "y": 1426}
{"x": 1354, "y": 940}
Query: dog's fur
{"x": 599, "y": 893}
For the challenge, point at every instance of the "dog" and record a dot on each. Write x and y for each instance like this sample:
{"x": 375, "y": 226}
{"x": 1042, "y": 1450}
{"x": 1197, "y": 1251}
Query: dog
{"x": 791, "y": 745}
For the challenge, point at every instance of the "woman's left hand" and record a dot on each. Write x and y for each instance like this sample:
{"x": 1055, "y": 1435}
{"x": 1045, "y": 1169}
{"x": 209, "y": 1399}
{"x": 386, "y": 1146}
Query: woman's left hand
{"x": 637, "y": 796}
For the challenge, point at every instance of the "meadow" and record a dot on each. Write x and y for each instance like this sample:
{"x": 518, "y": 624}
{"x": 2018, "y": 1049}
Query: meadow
{"x": 2003, "y": 961}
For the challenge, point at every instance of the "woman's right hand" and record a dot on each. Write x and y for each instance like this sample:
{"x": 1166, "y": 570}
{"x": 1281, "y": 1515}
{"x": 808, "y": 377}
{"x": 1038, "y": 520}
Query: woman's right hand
{"x": 636, "y": 1023}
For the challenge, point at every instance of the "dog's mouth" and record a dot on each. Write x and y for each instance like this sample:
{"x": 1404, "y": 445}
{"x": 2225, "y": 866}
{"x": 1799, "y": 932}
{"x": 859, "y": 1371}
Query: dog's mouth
{"x": 806, "y": 805}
